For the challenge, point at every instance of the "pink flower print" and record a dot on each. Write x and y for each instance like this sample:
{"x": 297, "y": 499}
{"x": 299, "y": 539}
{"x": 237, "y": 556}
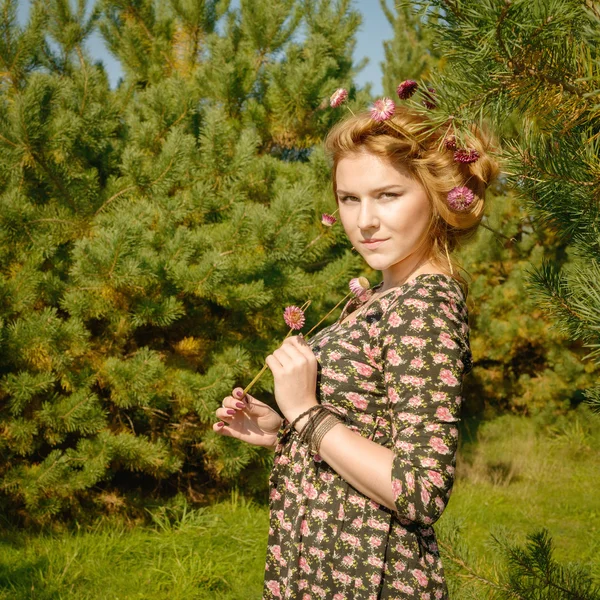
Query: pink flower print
{"x": 430, "y": 462}
{"x": 373, "y": 330}
{"x": 396, "y": 488}
{"x": 438, "y": 445}
{"x": 335, "y": 355}
{"x": 411, "y": 380}
{"x": 410, "y": 481}
{"x": 412, "y": 513}
{"x": 357, "y": 523}
{"x": 439, "y": 503}
{"x": 365, "y": 418}
{"x": 394, "y": 319}
{"x": 405, "y": 446}
{"x": 415, "y": 342}
{"x": 326, "y": 476}
{"x": 450, "y": 469}
{"x": 362, "y": 369}
{"x": 323, "y": 497}
{"x": 399, "y": 566}
{"x": 439, "y": 396}
{"x": 323, "y": 341}
{"x": 357, "y": 500}
{"x": 433, "y": 427}
{"x": 439, "y": 322}
{"x": 418, "y": 304}
{"x": 415, "y": 401}
{"x": 454, "y": 432}
{"x": 375, "y": 524}
{"x": 410, "y": 417}
{"x": 276, "y": 550}
{"x": 447, "y": 341}
{"x": 403, "y": 587}
{"x": 310, "y": 491}
{"x": 425, "y": 595}
{"x": 339, "y": 597}
{"x": 302, "y": 584}
{"x": 372, "y": 353}
{"x": 316, "y": 552}
{"x": 367, "y": 385}
{"x": 443, "y": 414}
{"x": 420, "y": 577}
{"x": 327, "y": 389}
{"x": 341, "y": 512}
{"x": 355, "y": 335}
{"x": 375, "y": 579}
{"x": 439, "y": 358}
{"x": 306, "y": 597}
{"x": 334, "y": 375}
{"x": 348, "y": 560}
{"x": 425, "y": 496}
{"x": 404, "y": 551}
{"x": 318, "y": 590}
{"x": 417, "y": 324}
{"x": 304, "y": 565}
{"x": 422, "y": 291}
{"x": 351, "y": 539}
{"x": 393, "y": 358}
{"x": 349, "y": 347}
{"x": 319, "y": 514}
{"x": 448, "y": 377}
{"x": 374, "y": 541}
{"x": 297, "y": 468}
{"x": 287, "y": 526}
{"x": 274, "y": 494}
{"x": 393, "y": 395}
{"x": 273, "y": 587}
{"x": 359, "y": 401}
{"x": 416, "y": 363}
{"x": 343, "y": 577}
{"x": 283, "y": 460}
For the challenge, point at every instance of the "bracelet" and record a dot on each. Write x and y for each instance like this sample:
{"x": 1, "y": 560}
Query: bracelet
{"x": 329, "y": 423}
{"x": 308, "y": 430}
{"x": 306, "y": 412}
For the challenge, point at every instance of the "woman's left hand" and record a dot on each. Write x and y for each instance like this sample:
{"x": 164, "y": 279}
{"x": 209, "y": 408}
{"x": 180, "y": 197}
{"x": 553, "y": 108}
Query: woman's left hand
{"x": 294, "y": 368}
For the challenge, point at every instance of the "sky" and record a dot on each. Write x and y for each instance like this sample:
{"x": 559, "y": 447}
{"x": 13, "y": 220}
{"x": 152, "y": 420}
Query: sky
{"x": 374, "y": 30}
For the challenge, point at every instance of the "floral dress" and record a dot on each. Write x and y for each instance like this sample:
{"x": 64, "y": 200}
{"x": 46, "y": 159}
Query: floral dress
{"x": 394, "y": 373}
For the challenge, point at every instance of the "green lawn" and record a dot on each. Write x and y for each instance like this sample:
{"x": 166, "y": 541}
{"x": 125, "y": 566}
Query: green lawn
{"x": 511, "y": 474}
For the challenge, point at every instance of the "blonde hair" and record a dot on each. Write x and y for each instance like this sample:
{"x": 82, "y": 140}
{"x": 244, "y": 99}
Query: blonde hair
{"x": 410, "y": 142}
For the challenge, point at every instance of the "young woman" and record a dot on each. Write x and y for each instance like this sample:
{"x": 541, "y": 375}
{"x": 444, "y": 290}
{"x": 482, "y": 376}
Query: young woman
{"x": 352, "y": 511}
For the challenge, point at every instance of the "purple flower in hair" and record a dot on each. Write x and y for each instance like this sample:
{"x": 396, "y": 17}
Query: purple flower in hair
{"x": 460, "y": 198}
{"x": 466, "y": 155}
{"x": 382, "y": 109}
{"x": 406, "y": 89}
{"x": 338, "y": 97}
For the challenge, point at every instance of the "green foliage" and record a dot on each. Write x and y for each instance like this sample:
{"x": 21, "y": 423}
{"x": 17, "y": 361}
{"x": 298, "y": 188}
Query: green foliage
{"x": 151, "y": 235}
{"x": 538, "y": 60}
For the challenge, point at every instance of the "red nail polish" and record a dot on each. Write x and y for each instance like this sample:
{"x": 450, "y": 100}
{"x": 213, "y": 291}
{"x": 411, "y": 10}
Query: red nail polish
{"x": 240, "y": 404}
{"x": 230, "y": 411}
{"x": 220, "y": 424}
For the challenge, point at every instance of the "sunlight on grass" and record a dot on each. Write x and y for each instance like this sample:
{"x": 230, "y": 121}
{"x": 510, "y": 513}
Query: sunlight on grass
{"x": 513, "y": 475}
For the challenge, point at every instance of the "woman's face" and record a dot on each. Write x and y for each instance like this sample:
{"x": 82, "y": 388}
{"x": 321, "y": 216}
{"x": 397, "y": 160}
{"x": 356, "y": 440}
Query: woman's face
{"x": 378, "y": 202}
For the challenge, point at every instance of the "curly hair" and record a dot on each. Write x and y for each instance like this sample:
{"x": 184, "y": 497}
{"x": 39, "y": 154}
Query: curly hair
{"x": 425, "y": 153}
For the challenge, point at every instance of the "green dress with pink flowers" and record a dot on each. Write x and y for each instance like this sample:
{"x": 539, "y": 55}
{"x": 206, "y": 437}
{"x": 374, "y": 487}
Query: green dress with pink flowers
{"x": 395, "y": 375}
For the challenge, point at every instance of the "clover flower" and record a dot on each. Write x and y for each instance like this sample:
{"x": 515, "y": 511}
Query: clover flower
{"x": 382, "y": 109}
{"x": 450, "y": 142}
{"x": 460, "y": 198}
{"x": 429, "y": 98}
{"x": 466, "y": 155}
{"x": 338, "y": 97}
{"x": 327, "y": 219}
{"x": 294, "y": 317}
{"x": 406, "y": 89}
{"x": 359, "y": 285}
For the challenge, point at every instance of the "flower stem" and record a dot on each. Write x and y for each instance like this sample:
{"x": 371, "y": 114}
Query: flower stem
{"x": 313, "y": 328}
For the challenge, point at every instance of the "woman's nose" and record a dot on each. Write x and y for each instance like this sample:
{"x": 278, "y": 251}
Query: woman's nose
{"x": 367, "y": 216}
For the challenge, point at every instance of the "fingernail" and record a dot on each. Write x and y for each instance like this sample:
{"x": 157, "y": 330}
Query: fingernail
{"x": 220, "y": 424}
{"x": 240, "y": 404}
{"x": 230, "y": 411}
{"x": 238, "y": 393}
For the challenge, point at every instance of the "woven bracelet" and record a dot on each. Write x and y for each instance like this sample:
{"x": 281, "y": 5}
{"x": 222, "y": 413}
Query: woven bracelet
{"x": 328, "y": 423}
{"x": 313, "y": 423}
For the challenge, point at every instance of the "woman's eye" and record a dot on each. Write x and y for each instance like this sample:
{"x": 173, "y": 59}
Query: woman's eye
{"x": 349, "y": 198}
{"x": 389, "y": 195}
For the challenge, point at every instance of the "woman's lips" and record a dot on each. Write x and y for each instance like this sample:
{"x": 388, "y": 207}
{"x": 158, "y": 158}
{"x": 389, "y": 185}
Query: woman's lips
{"x": 373, "y": 243}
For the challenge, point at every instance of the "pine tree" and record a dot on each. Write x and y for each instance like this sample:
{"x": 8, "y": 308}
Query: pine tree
{"x": 531, "y": 69}
{"x": 152, "y": 235}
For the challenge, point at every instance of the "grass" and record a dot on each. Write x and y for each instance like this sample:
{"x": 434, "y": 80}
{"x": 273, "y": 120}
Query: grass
{"x": 513, "y": 474}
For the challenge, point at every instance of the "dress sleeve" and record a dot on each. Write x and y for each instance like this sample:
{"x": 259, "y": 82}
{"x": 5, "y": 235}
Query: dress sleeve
{"x": 425, "y": 353}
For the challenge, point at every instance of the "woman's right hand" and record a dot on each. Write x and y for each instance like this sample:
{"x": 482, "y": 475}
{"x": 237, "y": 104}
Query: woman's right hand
{"x": 251, "y": 420}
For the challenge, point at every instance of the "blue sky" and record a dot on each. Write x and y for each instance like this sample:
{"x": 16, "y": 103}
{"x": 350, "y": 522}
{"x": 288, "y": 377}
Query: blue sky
{"x": 375, "y": 28}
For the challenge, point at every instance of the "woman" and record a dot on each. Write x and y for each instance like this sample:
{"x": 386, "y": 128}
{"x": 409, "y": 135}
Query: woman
{"x": 352, "y": 516}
